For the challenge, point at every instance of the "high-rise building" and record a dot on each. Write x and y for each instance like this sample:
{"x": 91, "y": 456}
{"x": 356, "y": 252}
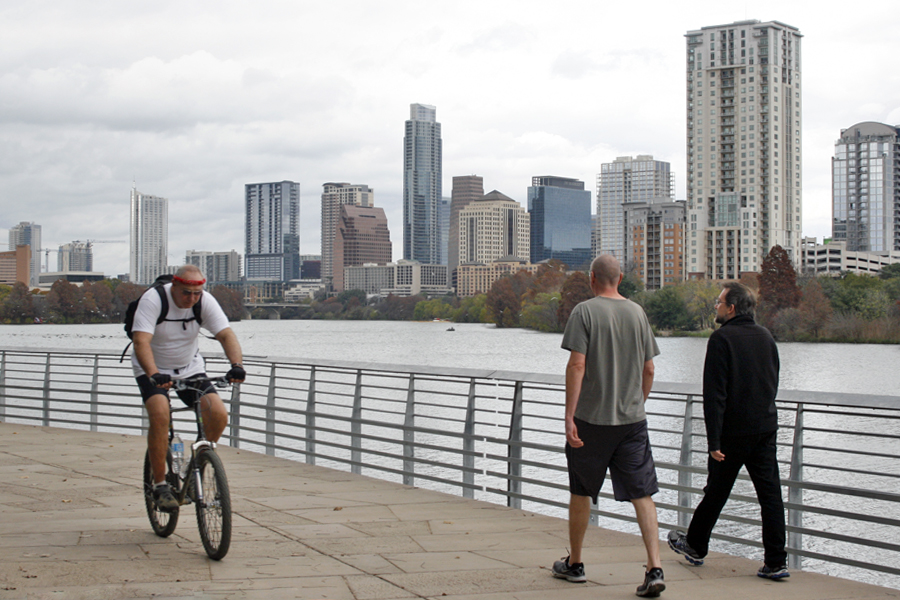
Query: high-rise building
{"x": 466, "y": 189}
{"x": 494, "y": 228}
{"x": 743, "y": 146}
{"x": 272, "y": 238}
{"x": 422, "y": 185}
{"x": 75, "y": 256}
{"x": 560, "y": 217}
{"x": 149, "y": 237}
{"x": 216, "y": 266}
{"x": 654, "y": 233}
{"x": 444, "y": 228}
{"x": 362, "y": 237}
{"x": 627, "y": 179}
{"x": 865, "y": 175}
{"x": 28, "y": 234}
{"x": 334, "y": 196}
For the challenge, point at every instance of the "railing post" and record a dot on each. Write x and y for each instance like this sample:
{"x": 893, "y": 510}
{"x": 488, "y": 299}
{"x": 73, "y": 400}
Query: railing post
{"x": 46, "y": 416}
{"x": 234, "y": 432}
{"x": 685, "y": 479}
{"x": 356, "y": 427}
{"x": 95, "y": 394}
{"x": 3, "y": 386}
{"x": 469, "y": 445}
{"x": 514, "y": 464}
{"x": 795, "y": 493}
{"x": 409, "y": 436}
{"x": 270, "y": 414}
{"x": 311, "y": 418}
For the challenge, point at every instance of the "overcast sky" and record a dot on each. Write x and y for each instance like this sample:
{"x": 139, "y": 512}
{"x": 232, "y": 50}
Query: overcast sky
{"x": 191, "y": 100}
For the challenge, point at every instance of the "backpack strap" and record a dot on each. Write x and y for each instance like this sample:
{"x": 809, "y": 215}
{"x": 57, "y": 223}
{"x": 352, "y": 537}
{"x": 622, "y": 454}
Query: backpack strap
{"x": 164, "y": 301}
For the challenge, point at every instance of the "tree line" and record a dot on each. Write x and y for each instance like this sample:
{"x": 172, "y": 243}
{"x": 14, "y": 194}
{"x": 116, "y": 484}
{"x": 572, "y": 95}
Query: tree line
{"x": 93, "y": 302}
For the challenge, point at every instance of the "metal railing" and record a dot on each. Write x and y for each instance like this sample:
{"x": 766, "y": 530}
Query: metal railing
{"x": 498, "y": 436}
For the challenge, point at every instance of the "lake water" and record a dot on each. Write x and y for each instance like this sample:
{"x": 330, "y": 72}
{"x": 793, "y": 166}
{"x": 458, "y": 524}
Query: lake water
{"x": 848, "y": 368}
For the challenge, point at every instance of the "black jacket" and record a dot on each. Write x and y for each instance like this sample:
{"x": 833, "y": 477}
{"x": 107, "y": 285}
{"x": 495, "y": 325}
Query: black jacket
{"x": 740, "y": 381}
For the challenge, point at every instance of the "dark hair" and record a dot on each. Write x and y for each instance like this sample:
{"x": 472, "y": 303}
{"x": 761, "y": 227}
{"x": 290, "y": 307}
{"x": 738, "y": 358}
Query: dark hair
{"x": 740, "y": 297}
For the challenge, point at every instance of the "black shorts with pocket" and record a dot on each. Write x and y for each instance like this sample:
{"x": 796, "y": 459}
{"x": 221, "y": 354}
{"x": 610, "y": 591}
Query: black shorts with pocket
{"x": 622, "y": 449}
{"x": 189, "y": 396}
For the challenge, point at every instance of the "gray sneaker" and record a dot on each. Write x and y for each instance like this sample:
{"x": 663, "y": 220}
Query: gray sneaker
{"x": 164, "y": 498}
{"x": 574, "y": 573}
{"x": 678, "y": 542}
{"x": 654, "y": 584}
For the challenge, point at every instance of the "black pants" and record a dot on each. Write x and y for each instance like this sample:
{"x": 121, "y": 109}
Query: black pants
{"x": 758, "y": 454}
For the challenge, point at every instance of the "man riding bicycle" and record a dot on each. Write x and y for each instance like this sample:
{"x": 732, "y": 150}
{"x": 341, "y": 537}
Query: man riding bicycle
{"x": 166, "y": 347}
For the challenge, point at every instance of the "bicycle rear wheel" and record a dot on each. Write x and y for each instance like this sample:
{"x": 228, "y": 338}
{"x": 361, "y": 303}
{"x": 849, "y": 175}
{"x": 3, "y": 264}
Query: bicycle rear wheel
{"x": 214, "y": 511}
{"x": 162, "y": 522}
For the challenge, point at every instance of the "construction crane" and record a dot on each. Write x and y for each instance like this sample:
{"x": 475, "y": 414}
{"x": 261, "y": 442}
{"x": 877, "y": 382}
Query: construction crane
{"x": 88, "y": 243}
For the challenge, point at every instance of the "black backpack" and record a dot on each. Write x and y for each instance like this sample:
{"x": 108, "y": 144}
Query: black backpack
{"x": 164, "y": 311}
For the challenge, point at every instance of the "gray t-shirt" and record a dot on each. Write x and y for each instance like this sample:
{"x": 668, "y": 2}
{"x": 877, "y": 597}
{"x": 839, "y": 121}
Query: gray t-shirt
{"x": 616, "y": 339}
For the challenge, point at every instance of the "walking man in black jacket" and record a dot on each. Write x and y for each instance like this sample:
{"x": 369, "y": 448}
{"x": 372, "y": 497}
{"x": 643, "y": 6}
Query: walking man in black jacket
{"x": 740, "y": 381}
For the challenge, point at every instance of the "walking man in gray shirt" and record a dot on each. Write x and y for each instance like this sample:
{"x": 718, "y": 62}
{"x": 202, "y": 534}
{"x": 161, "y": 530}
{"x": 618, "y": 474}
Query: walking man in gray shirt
{"x": 608, "y": 380}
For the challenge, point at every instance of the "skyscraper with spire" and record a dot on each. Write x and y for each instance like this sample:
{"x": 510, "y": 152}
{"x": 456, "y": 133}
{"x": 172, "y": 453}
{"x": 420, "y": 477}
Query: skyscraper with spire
{"x": 422, "y": 185}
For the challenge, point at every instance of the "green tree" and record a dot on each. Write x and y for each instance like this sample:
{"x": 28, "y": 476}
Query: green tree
{"x": 576, "y": 289}
{"x": 542, "y": 313}
{"x": 700, "y": 301}
{"x": 471, "y": 310}
{"x": 631, "y": 285}
{"x": 890, "y": 271}
{"x": 666, "y": 309}
{"x": 18, "y": 306}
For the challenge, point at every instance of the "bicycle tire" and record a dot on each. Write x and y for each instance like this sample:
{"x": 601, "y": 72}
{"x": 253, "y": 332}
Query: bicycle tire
{"x": 214, "y": 511}
{"x": 162, "y": 522}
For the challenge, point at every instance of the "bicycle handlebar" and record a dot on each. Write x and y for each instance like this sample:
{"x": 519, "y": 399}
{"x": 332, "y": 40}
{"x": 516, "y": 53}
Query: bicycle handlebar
{"x": 190, "y": 383}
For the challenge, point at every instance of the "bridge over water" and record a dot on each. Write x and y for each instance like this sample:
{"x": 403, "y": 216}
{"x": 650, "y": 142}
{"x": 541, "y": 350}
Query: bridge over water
{"x": 481, "y": 438}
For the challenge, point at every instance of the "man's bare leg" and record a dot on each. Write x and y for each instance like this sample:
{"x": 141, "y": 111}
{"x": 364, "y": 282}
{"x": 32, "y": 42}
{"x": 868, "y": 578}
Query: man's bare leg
{"x": 645, "y": 510}
{"x": 579, "y": 517}
{"x": 215, "y": 416}
{"x": 157, "y": 407}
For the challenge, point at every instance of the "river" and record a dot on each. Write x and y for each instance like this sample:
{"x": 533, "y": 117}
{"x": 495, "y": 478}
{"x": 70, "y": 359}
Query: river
{"x": 847, "y": 368}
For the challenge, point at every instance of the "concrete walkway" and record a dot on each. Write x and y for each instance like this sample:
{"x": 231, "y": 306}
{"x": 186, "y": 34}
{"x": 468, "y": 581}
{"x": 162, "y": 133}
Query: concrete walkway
{"x": 73, "y": 526}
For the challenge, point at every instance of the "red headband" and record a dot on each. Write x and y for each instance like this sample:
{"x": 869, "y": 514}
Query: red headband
{"x": 188, "y": 281}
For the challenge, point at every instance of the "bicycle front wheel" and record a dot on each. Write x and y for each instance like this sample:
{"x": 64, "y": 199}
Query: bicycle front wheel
{"x": 163, "y": 522}
{"x": 214, "y": 511}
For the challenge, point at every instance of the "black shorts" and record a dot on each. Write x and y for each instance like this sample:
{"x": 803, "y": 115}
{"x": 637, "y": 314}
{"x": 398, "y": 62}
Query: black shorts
{"x": 189, "y": 397}
{"x": 623, "y": 449}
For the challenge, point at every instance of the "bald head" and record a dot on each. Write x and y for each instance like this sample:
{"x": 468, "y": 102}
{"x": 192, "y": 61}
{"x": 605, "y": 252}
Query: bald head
{"x": 606, "y": 271}
{"x": 190, "y": 272}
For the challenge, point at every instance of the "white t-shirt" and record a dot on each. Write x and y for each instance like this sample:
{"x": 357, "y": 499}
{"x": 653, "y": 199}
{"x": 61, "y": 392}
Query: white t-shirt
{"x": 175, "y": 345}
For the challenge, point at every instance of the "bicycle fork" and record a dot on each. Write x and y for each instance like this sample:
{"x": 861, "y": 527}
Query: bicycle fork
{"x": 197, "y": 448}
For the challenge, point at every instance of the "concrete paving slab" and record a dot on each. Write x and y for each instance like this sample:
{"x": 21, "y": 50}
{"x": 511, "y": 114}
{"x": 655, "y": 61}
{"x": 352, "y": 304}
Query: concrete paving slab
{"x": 302, "y": 531}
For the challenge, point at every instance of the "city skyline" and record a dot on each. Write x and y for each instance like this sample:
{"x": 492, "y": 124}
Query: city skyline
{"x": 196, "y": 118}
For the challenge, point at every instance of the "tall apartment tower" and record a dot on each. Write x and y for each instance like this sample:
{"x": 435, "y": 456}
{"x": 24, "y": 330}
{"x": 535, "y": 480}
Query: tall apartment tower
{"x": 743, "y": 146}
{"x": 75, "y": 256}
{"x": 28, "y": 234}
{"x": 466, "y": 190}
{"x": 865, "y": 175}
{"x": 560, "y": 217}
{"x": 149, "y": 237}
{"x": 494, "y": 228}
{"x": 654, "y": 234}
{"x": 216, "y": 266}
{"x": 334, "y": 196}
{"x": 362, "y": 238}
{"x": 627, "y": 179}
{"x": 272, "y": 238}
{"x": 422, "y": 185}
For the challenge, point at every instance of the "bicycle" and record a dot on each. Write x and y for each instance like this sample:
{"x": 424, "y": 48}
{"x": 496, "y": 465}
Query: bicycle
{"x": 203, "y": 484}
